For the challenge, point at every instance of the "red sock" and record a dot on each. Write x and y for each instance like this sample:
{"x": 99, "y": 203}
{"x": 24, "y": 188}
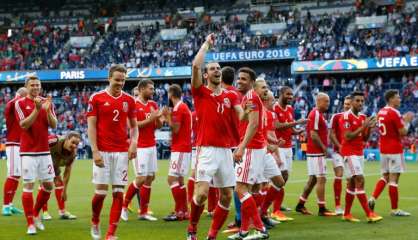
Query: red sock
{"x": 58, "y": 194}
{"x": 219, "y": 216}
{"x": 190, "y": 189}
{"x": 338, "y": 186}
{"x": 321, "y": 204}
{"x": 212, "y": 199}
{"x": 393, "y": 194}
{"x": 361, "y": 195}
{"x": 272, "y": 194}
{"x": 195, "y": 213}
{"x": 115, "y": 211}
{"x": 27, "y": 202}
{"x": 258, "y": 198}
{"x": 183, "y": 199}
{"x": 175, "y": 190}
{"x": 249, "y": 212}
{"x": 45, "y": 207}
{"x": 41, "y": 200}
{"x": 9, "y": 190}
{"x": 130, "y": 193}
{"x": 278, "y": 201}
{"x": 97, "y": 205}
{"x": 144, "y": 194}
{"x": 378, "y": 189}
{"x": 349, "y": 198}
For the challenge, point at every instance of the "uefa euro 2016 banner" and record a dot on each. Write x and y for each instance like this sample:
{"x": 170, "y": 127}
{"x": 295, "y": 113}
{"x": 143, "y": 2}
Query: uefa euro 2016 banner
{"x": 252, "y": 55}
{"x": 356, "y": 65}
{"x": 89, "y": 74}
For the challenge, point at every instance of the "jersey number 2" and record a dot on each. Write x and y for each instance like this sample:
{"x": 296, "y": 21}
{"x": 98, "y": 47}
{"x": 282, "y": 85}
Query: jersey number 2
{"x": 116, "y": 117}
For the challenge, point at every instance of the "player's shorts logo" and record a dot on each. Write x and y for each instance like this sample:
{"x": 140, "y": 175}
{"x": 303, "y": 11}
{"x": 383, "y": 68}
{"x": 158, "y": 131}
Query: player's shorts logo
{"x": 125, "y": 106}
{"x": 201, "y": 172}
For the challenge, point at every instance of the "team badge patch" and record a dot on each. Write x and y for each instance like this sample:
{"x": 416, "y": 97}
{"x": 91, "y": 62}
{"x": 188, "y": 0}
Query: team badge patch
{"x": 125, "y": 106}
{"x": 346, "y": 125}
{"x": 227, "y": 103}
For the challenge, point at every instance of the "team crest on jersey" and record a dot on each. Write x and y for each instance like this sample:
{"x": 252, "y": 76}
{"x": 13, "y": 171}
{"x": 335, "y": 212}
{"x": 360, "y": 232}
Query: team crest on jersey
{"x": 227, "y": 103}
{"x": 346, "y": 125}
{"x": 89, "y": 108}
{"x": 125, "y": 106}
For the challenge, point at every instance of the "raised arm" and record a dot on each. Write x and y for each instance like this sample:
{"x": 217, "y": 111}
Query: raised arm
{"x": 199, "y": 60}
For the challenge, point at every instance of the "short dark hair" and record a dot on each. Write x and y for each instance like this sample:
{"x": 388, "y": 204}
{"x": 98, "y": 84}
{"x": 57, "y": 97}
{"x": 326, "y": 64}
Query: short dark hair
{"x": 390, "y": 94}
{"x": 348, "y": 97}
{"x": 71, "y": 134}
{"x": 144, "y": 83}
{"x": 117, "y": 68}
{"x": 248, "y": 71}
{"x": 31, "y": 78}
{"x": 175, "y": 90}
{"x": 283, "y": 89}
{"x": 357, "y": 93}
{"x": 228, "y": 75}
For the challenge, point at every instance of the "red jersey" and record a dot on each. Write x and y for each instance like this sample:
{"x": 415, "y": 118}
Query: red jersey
{"x": 194, "y": 128}
{"x": 284, "y": 116}
{"x": 258, "y": 140}
{"x": 112, "y": 120}
{"x": 12, "y": 123}
{"x": 390, "y": 121}
{"x": 181, "y": 142}
{"x": 270, "y": 119}
{"x": 336, "y": 127}
{"x": 33, "y": 141}
{"x": 146, "y": 137}
{"x": 214, "y": 114}
{"x": 234, "y": 118}
{"x": 316, "y": 122}
{"x": 351, "y": 122}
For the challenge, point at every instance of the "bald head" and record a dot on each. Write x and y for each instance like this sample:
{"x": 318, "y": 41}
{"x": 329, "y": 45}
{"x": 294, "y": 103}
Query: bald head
{"x": 22, "y": 92}
{"x": 322, "y": 101}
{"x": 269, "y": 100}
{"x": 260, "y": 86}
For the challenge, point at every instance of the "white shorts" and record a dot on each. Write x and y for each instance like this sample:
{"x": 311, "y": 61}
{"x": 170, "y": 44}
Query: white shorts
{"x": 14, "y": 162}
{"x": 353, "y": 165}
{"x": 145, "y": 163}
{"x": 215, "y": 164}
{"x": 179, "y": 164}
{"x": 37, "y": 167}
{"x": 286, "y": 155}
{"x": 251, "y": 167}
{"x": 194, "y": 156}
{"x": 392, "y": 163}
{"x": 337, "y": 160}
{"x": 115, "y": 170}
{"x": 271, "y": 169}
{"x": 317, "y": 165}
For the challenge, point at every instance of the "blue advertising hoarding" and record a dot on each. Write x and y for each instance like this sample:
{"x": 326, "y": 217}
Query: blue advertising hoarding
{"x": 252, "y": 55}
{"x": 348, "y": 65}
{"x": 89, "y": 74}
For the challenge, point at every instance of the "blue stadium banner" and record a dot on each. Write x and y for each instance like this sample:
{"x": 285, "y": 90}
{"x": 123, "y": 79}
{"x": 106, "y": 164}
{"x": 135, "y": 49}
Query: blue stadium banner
{"x": 99, "y": 75}
{"x": 252, "y": 55}
{"x": 357, "y": 65}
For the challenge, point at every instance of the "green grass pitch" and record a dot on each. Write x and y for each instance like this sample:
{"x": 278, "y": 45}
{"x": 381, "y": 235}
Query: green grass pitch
{"x": 303, "y": 227}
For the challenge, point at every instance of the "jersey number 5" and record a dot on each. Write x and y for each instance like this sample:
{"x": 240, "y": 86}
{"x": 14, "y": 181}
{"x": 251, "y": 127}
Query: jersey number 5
{"x": 382, "y": 127}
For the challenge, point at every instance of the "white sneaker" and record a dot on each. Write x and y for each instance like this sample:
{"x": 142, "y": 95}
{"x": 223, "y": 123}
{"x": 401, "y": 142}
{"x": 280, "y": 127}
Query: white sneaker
{"x": 95, "y": 232}
{"x": 46, "y": 216}
{"x": 31, "y": 230}
{"x": 147, "y": 217}
{"x": 339, "y": 211}
{"x": 38, "y": 223}
{"x": 124, "y": 214}
{"x": 400, "y": 213}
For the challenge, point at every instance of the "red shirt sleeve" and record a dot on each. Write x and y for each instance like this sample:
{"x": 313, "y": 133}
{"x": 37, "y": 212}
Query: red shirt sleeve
{"x": 397, "y": 119}
{"x": 92, "y": 107}
{"x": 132, "y": 109}
{"x": 18, "y": 110}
